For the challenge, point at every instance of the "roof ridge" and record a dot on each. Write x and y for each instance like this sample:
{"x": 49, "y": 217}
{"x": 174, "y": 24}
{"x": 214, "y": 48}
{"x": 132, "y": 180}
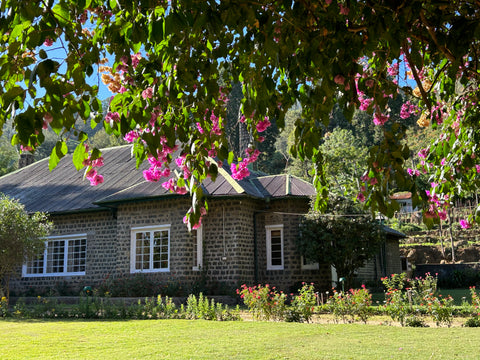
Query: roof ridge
{"x": 236, "y": 186}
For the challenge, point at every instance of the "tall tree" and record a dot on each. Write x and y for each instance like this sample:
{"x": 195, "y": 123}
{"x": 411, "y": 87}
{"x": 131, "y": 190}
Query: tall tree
{"x": 164, "y": 61}
{"x": 346, "y": 161}
{"x": 8, "y": 157}
{"x": 345, "y": 237}
{"x": 21, "y": 237}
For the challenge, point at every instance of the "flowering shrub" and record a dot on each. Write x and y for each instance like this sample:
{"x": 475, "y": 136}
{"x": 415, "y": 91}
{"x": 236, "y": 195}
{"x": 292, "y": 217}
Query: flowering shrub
{"x": 397, "y": 305}
{"x": 475, "y": 299}
{"x": 264, "y": 302}
{"x": 420, "y": 294}
{"x": 421, "y": 288}
{"x": 353, "y": 303}
{"x": 304, "y": 303}
{"x": 440, "y": 309}
{"x": 338, "y": 305}
{"x": 361, "y": 302}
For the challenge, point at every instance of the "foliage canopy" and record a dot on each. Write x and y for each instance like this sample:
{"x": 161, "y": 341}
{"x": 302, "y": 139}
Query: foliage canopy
{"x": 345, "y": 238}
{"x": 171, "y": 66}
{"x": 21, "y": 237}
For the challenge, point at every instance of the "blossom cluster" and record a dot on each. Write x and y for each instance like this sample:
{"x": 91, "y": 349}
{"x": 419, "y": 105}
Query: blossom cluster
{"x": 92, "y": 174}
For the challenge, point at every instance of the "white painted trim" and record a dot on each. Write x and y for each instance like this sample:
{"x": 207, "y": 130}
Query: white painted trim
{"x": 199, "y": 240}
{"x": 66, "y": 239}
{"x": 150, "y": 229}
{"x": 309, "y": 266}
{"x": 268, "y": 229}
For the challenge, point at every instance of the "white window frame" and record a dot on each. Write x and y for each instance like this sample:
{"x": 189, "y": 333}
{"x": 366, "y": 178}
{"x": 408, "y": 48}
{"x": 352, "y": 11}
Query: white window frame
{"x": 269, "y": 229}
{"x": 309, "y": 266}
{"x": 67, "y": 243}
{"x": 133, "y": 248}
{"x": 199, "y": 243}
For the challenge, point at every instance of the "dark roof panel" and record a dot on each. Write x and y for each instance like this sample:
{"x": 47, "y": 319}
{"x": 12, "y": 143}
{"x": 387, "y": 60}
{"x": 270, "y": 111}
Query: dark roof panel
{"x": 65, "y": 190}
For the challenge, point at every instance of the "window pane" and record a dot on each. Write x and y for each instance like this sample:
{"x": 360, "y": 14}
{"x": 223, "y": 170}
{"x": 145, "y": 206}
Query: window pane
{"x": 55, "y": 256}
{"x": 276, "y": 247}
{"x": 35, "y": 266}
{"x": 195, "y": 248}
{"x": 142, "y": 258}
{"x": 160, "y": 249}
{"x": 77, "y": 254}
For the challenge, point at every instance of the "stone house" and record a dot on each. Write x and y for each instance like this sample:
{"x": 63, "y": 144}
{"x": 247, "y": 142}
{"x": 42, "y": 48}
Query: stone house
{"x": 127, "y": 226}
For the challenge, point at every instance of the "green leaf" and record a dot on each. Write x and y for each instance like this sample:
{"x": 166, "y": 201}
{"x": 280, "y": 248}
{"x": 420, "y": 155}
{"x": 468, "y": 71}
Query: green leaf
{"x": 79, "y": 155}
{"x": 59, "y": 151}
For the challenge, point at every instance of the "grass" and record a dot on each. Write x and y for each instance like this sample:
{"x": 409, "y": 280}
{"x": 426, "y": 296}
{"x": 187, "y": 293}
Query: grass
{"x": 184, "y": 339}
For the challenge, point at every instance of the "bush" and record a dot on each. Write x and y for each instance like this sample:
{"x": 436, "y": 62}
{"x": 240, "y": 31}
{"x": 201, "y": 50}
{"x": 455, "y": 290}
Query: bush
{"x": 303, "y": 305}
{"x": 264, "y": 302}
{"x": 355, "y": 303}
{"x": 472, "y": 322}
{"x": 415, "y": 321}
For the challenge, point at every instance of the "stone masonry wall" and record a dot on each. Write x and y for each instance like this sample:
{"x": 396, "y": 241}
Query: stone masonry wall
{"x": 101, "y": 234}
{"x": 229, "y": 237}
{"x": 288, "y": 212}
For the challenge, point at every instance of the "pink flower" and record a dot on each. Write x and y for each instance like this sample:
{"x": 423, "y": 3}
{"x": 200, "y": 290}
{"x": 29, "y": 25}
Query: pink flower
{"x": 423, "y": 153}
{"x": 379, "y": 118}
{"x": 147, "y": 93}
{"x": 136, "y": 59}
{"x": 477, "y": 167}
{"x": 94, "y": 177}
{"x": 48, "y": 42}
{"x": 339, "y": 79}
{"x": 465, "y": 224}
{"x": 361, "y": 197}
{"x": 263, "y": 125}
{"x": 442, "y": 214}
{"x": 393, "y": 70}
{"x": 413, "y": 172}
{"x": 131, "y": 136}
{"x": 344, "y": 10}
{"x": 112, "y": 117}
{"x": 241, "y": 172}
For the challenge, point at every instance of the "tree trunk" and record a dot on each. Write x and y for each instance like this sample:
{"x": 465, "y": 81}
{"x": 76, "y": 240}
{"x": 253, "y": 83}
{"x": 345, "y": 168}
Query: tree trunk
{"x": 441, "y": 240}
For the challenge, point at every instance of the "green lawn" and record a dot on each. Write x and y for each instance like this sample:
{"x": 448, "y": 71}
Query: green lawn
{"x": 196, "y": 339}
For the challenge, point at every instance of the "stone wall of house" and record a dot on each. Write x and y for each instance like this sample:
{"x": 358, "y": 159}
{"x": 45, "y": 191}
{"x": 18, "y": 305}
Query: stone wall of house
{"x": 385, "y": 263}
{"x": 288, "y": 212}
{"x": 101, "y": 234}
{"x": 227, "y": 240}
{"x": 234, "y": 244}
{"x": 170, "y": 212}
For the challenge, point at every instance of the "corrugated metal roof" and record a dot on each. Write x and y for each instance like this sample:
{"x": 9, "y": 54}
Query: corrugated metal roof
{"x": 65, "y": 190}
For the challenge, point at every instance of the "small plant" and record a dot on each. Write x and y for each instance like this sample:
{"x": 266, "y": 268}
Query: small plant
{"x": 360, "y": 303}
{"x": 303, "y": 305}
{"x": 338, "y": 305}
{"x": 474, "y": 321}
{"x": 397, "y": 305}
{"x": 355, "y": 303}
{"x": 475, "y": 299}
{"x": 415, "y": 321}
{"x": 441, "y": 309}
{"x": 264, "y": 302}
{"x": 3, "y": 307}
